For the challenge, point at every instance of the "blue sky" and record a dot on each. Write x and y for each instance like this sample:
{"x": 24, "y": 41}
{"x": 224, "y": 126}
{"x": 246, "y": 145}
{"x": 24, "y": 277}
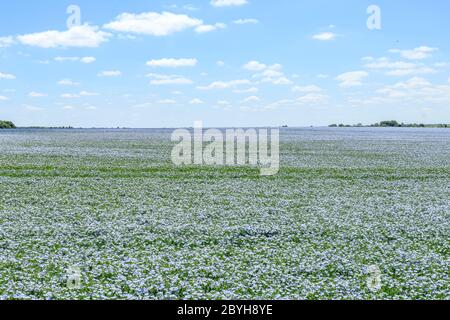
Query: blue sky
{"x": 158, "y": 63}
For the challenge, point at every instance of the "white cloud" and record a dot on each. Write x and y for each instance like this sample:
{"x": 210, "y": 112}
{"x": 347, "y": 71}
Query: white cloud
{"x": 7, "y": 76}
{"x": 88, "y": 94}
{"x": 32, "y": 108}
{"x": 271, "y": 74}
{"x": 251, "y": 99}
{"x": 409, "y": 72}
{"x": 385, "y": 63}
{"x": 68, "y": 107}
{"x": 69, "y": 96}
{"x": 210, "y": 27}
{"x": 75, "y": 59}
{"x": 37, "y": 94}
{"x": 6, "y": 42}
{"x": 413, "y": 83}
{"x": 307, "y": 89}
{"x": 142, "y": 105}
{"x": 3, "y": 98}
{"x": 190, "y": 7}
{"x": 81, "y": 94}
{"x": 225, "y": 84}
{"x": 153, "y": 23}
{"x": 228, "y": 3}
{"x": 306, "y": 100}
{"x": 419, "y": 53}
{"x": 172, "y": 63}
{"x": 196, "y": 101}
{"x": 162, "y": 79}
{"x": 351, "y": 79}
{"x": 399, "y": 68}
{"x": 278, "y": 81}
{"x": 246, "y": 21}
{"x": 67, "y": 82}
{"x": 313, "y": 98}
{"x": 87, "y": 60}
{"x": 166, "y": 101}
{"x": 249, "y": 90}
{"x": 441, "y": 64}
{"x": 64, "y": 59}
{"x": 220, "y": 63}
{"x": 112, "y": 73}
{"x": 416, "y": 90}
{"x": 78, "y": 36}
{"x": 254, "y": 66}
{"x": 324, "y": 36}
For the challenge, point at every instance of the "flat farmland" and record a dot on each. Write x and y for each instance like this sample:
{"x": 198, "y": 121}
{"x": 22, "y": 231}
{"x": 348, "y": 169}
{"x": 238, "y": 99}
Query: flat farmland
{"x": 110, "y": 204}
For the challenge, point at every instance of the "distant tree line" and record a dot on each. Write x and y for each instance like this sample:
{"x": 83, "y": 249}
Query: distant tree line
{"x": 7, "y": 125}
{"x": 63, "y": 127}
{"x": 392, "y": 124}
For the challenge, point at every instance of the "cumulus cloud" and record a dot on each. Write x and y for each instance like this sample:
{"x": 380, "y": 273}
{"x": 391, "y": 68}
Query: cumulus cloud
{"x": 225, "y": 84}
{"x": 415, "y": 90}
{"x": 3, "y": 98}
{"x": 69, "y": 96}
{"x": 246, "y": 21}
{"x": 7, "y": 76}
{"x": 254, "y": 66}
{"x": 228, "y": 3}
{"x": 398, "y": 68}
{"x": 64, "y": 59}
{"x": 86, "y": 60}
{"x": 196, "y": 101}
{"x": 249, "y": 90}
{"x": 162, "y": 79}
{"x": 306, "y": 100}
{"x": 78, "y": 36}
{"x": 32, "y": 108}
{"x": 210, "y": 27}
{"x": 312, "y": 98}
{"x": 111, "y": 73}
{"x": 419, "y": 53}
{"x": 88, "y": 94}
{"x": 172, "y": 63}
{"x": 251, "y": 99}
{"x": 385, "y": 63}
{"x": 409, "y": 72}
{"x": 270, "y": 74}
{"x": 324, "y": 36}
{"x": 307, "y": 89}
{"x": 37, "y": 94}
{"x": 413, "y": 83}
{"x": 6, "y": 42}
{"x": 67, "y": 82}
{"x": 153, "y": 23}
{"x": 351, "y": 79}
{"x": 166, "y": 101}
